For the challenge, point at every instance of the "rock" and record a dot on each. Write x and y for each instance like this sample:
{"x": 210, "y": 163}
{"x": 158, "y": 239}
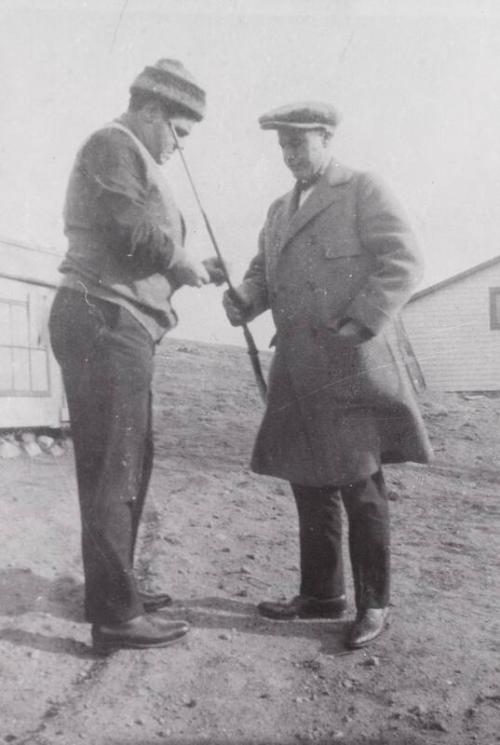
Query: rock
{"x": 27, "y": 437}
{"x": 45, "y": 442}
{"x": 32, "y": 449}
{"x": 438, "y": 725}
{"x": 338, "y": 736}
{"x": 419, "y": 710}
{"x": 393, "y": 495}
{"x": 373, "y": 661}
{"x": 9, "y": 449}
{"x": 428, "y": 719}
{"x": 190, "y": 703}
{"x": 439, "y": 410}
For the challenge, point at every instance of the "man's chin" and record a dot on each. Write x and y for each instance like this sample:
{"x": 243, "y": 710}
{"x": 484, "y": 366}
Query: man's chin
{"x": 300, "y": 175}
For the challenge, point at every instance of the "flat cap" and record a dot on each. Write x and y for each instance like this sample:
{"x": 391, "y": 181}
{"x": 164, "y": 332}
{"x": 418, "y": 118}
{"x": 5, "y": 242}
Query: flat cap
{"x": 304, "y": 115}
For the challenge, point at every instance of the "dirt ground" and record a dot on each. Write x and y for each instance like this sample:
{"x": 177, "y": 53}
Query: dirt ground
{"x": 220, "y": 539}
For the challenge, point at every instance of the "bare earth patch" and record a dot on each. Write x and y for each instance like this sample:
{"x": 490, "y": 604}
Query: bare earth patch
{"x": 220, "y": 539}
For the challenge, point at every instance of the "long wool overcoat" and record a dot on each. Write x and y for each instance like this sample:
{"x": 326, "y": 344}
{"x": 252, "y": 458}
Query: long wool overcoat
{"x": 336, "y": 410}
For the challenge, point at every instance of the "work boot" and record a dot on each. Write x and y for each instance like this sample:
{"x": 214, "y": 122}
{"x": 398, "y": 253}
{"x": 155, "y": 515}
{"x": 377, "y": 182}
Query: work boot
{"x": 153, "y": 601}
{"x": 368, "y": 625}
{"x": 138, "y": 633}
{"x": 303, "y": 607}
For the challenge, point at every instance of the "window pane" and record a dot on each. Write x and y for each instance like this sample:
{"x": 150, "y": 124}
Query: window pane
{"x": 5, "y": 329}
{"x": 496, "y": 305}
{"x": 20, "y": 329}
{"x": 21, "y": 369}
{"x": 39, "y": 372}
{"x": 5, "y": 369}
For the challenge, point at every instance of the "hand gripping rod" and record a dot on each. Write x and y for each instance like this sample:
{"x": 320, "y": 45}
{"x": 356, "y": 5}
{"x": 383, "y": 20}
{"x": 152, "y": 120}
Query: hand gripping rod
{"x": 253, "y": 352}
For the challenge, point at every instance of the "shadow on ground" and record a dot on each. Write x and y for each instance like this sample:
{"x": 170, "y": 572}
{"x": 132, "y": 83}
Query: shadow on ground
{"x": 241, "y": 617}
{"x": 44, "y": 643}
{"x": 23, "y": 591}
{"x": 385, "y": 739}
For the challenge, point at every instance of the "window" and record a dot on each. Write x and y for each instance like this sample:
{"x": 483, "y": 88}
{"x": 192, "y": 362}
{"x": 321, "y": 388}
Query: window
{"x": 494, "y": 307}
{"x": 24, "y": 364}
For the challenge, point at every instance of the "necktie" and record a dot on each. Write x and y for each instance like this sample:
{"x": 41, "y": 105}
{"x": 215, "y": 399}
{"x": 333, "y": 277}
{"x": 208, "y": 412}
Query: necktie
{"x": 300, "y": 187}
{"x": 305, "y": 184}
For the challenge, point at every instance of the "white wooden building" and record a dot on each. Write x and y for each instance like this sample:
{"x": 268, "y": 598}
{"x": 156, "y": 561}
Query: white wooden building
{"x": 454, "y": 329}
{"x": 31, "y": 391}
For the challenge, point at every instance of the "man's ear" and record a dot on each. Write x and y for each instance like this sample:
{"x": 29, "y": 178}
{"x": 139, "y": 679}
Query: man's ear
{"x": 327, "y": 137}
{"x": 150, "y": 111}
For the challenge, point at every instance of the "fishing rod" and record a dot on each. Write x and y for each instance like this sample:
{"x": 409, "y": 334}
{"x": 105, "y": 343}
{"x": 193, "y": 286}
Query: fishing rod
{"x": 252, "y": 350}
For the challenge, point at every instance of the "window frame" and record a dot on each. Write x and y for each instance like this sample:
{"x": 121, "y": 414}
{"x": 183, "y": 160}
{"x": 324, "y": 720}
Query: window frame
{"x": 29, "y": 348}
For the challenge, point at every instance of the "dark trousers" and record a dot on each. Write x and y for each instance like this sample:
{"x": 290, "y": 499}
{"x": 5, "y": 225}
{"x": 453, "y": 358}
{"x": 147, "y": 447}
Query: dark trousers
{"x": 320, "y": 532}
{"x": 106, "y": 357}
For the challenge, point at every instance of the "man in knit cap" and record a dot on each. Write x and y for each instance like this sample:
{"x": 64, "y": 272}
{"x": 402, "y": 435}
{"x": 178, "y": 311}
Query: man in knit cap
{"x": 336, "y": 262}
{"x": 125, "y": 258}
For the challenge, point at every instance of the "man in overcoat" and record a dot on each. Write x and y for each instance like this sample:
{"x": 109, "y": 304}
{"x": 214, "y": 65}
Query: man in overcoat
{"x": 125, "y": 258}
{"x": 336, "y": 262}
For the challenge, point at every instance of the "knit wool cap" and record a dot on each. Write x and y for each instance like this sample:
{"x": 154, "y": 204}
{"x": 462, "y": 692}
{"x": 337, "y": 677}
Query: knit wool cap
{"x": 169, "y": 80}
{"x": 305, "y": 115}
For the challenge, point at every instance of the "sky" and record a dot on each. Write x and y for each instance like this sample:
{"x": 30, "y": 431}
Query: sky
{"x": 417, "y": 83}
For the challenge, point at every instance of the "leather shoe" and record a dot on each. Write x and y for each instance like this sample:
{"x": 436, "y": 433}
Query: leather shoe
{"x": 138, "y": 633}
{"x": 303, "y": 607}
{"x": 368, "y": 625}
{"x": 153, "y": 601}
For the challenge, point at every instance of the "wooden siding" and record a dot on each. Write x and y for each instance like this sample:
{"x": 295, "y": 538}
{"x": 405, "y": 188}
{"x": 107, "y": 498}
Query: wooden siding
{"x": 31, "y": 391}
{"x": 450, "y": 332}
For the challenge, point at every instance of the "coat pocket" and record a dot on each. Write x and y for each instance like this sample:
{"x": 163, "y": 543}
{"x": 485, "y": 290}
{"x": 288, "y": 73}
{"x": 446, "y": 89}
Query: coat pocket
{"x": 342, "y": 249}
{"x": 364, "y": 374}
{"x": 77, "y": 324}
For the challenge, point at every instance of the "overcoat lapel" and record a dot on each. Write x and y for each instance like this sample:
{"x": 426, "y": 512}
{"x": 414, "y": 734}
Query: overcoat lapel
{"x": 278, "y": 229}
{"x": 321, "y": 197}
